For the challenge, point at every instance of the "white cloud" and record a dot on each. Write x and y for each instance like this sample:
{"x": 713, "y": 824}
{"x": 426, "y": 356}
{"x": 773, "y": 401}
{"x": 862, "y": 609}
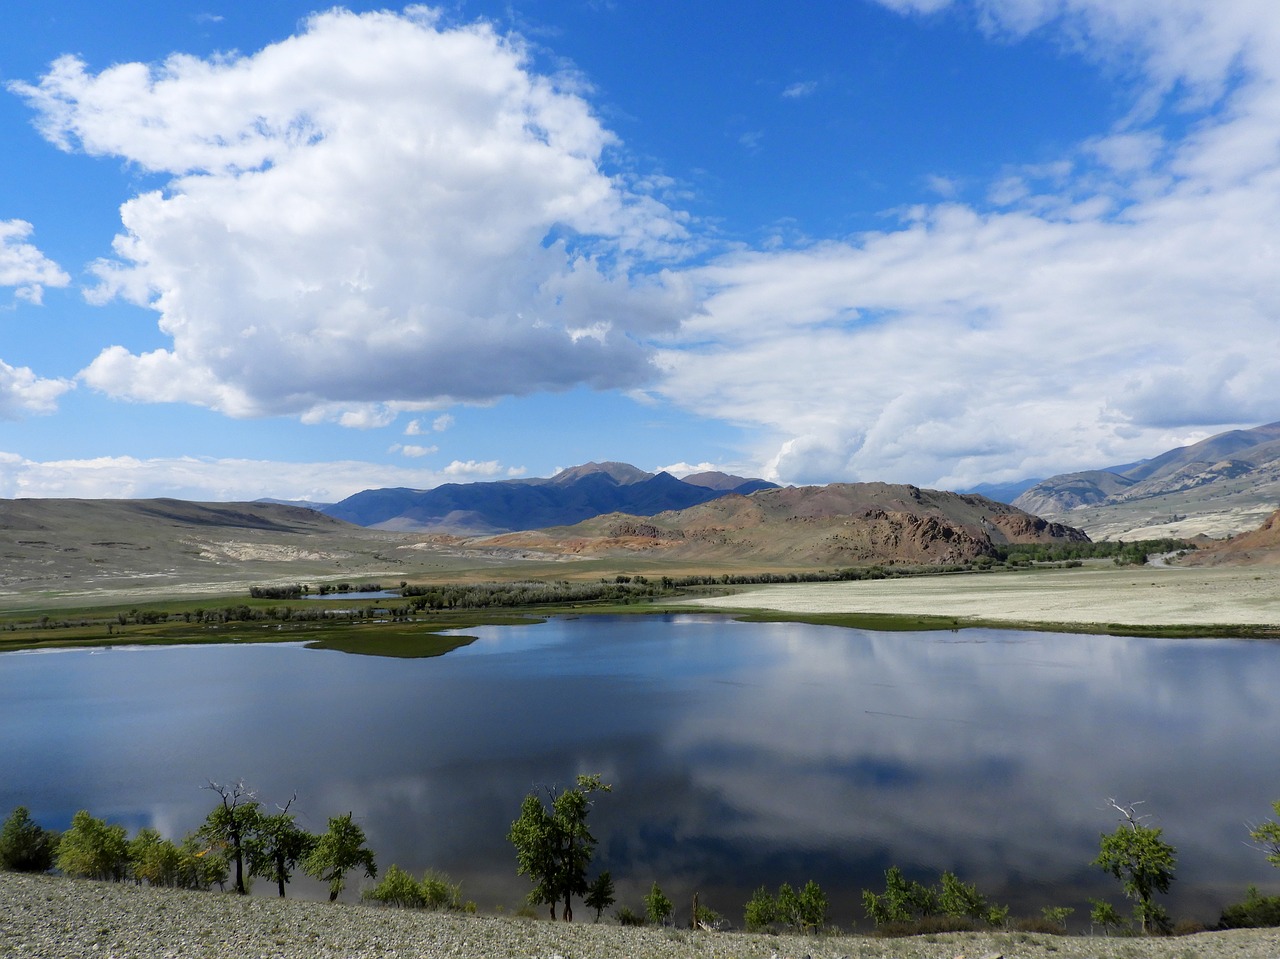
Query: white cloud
{"x": 219, "y": 480}
{"x": 412, "y": 451}
{"x": 442, "y": 422}
{"x": 1116, "y": 303}
{"x": 22, "y": 393}
{"x": 23, "y": 266}
{"x": 798, "y": 91}
{"x": 378, "y": 210}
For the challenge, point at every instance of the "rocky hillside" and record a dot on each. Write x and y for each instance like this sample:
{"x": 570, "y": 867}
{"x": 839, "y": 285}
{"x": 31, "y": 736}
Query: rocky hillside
{"x": 1222, "y": 485}
{"x": 844, "y": 524}
{"x": 572, "y": 495}
{"x": 1261, "y": 547}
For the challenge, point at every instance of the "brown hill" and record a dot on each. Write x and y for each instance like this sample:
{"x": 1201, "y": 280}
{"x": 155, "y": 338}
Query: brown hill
{"x": 1258, "y": 548}
{"x": 844, "y": 524}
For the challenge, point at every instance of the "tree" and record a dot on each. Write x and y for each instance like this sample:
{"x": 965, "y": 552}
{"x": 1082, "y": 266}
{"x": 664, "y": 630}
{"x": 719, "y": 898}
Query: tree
{"x": 200, "y": 866}
{"x": 25, "y": 846}
{"x": 600, "y": 893}
{"x": 1266, "y": 837}
{"x": 554, "y": 846}
{"x": 903, "y": 900}
{"x": 231, "y": 824}
{"x": 337, "y": 852}
{"x": 93, "y": 850}
{"x": 1143, "y": 862}
{"x": 154, "y": 859}
{"x": 761, "y": 910}
{"x": 1104, "y": 914}
{"x": 397, "y": 888}
{"x": 277, "y": 846}
{"x": 657, "y": 906}
{"x": 803, "y": 910}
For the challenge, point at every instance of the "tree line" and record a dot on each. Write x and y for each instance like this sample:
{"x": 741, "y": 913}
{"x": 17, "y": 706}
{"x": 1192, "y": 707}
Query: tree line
{"x": 240, "y": 840}
{"x": 237, "y": 841}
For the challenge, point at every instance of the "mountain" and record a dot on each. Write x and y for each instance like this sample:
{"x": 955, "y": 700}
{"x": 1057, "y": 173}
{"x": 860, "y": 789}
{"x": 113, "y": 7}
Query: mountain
{"x": 1261, "y": 547}
{"x": 572, "y": 495}
{"x": 1223, "y": 485}
{"x": 843, "y": 524}
{"x": 1002, "y": 492}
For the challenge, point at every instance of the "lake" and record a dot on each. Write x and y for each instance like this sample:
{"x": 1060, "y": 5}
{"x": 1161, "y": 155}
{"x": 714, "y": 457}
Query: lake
{"x": 741, "y": 754}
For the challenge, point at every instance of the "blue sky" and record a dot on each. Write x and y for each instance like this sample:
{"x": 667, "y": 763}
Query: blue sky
{"x": 259, "y": 250}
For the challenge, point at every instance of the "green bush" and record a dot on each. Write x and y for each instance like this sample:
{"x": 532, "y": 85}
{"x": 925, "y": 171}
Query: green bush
{"x": 1255, "y": 912}
{"x": 627, "y": 916}
{"x": 434, "y": 891}
{"x": 657, "y": 906}
{"x": 91, "y": 849}
{"x": 25, "y": 846}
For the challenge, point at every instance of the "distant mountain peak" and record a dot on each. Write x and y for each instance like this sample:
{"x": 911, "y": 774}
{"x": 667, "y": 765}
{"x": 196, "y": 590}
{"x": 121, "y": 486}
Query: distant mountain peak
{"x": 623, "y": 474}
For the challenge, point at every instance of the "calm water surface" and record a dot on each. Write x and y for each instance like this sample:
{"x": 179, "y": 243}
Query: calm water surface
{"x": 741, "y": 754}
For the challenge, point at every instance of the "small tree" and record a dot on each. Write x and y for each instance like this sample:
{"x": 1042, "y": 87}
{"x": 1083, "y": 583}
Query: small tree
{"x": 761, "y": 910}
{"x": 1057, "y": 915}
{"x": 1103, "y": 914}
{"x": 231, "y": 825}
{"x": 397, "y": 888}
{"x": 657, "y": 907}
{"x": 277, "y": 846}
{"x": 154, "y": 859}
{"x": 961, "y": 900}
{"x": 200, "y": 866}
{"x": 337, "y": 852}
{"x": 600, "y": 893}
{"x": 903, "y": 900}
{"x": 25, "y": 846}
{"x": 1266, "y": 837}
{"x": 93, "y": 850}
{"x": 554, "y": 846}
{"x": 1143, "y": 862}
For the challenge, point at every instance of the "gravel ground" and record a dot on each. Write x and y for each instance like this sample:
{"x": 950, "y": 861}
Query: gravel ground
{"x": 44, "y": 917}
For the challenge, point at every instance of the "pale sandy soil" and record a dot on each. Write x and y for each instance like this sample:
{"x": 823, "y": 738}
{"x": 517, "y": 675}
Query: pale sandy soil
{"x": 1133, "y": 596}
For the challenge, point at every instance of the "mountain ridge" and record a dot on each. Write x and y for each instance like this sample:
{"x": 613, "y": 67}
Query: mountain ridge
{"x": 570, "y": 496}
{"x": 1223, "y": 485}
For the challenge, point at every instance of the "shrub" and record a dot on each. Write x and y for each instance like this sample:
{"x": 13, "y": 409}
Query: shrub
{"x": 761, "y": 910}
{"x": 25, "y": 846}
{"x": 626, "y": 916}
{"x": 1255, "y": 912}
{"x": 907, "y": 903}
{"x": 398, "y": 888}
{"x": 154, "y": 859}
{"x": 657, "y": 906}
{"x": 91, "y": 849}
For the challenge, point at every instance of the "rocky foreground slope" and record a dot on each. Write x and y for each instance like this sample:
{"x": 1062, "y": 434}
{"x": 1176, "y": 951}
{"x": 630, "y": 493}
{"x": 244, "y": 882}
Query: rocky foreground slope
{"x": 47, "y": 917}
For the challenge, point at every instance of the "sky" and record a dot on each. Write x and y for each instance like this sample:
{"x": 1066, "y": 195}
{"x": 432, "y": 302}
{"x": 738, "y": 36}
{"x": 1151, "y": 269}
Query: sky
{"x": 281, "y": 250}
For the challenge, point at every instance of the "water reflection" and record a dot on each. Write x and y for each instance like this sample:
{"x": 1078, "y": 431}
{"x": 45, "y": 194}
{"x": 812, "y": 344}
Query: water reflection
{"x": 742, "y": 754}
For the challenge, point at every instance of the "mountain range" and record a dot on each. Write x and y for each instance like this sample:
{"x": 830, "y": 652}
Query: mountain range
{"x": 841, "y": 524}
{"x": 572, "y": 495}
{"x": 1226, "y": 484}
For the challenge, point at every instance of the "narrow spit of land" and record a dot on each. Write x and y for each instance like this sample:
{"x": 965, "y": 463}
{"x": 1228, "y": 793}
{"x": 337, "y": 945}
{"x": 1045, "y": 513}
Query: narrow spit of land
{"x": 44, "y": 916}
{"x": 1140, "y": 596}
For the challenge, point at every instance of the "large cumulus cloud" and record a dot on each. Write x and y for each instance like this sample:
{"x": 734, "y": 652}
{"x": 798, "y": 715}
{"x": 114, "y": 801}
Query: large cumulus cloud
{"x": 381, "y": 212}
{"x": 1104, "y": 307}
